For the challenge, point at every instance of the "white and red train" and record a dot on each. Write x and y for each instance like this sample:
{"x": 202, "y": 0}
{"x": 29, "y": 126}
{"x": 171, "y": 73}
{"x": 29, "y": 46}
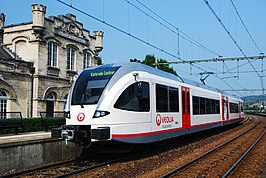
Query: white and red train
{"x": 135, "y": 103}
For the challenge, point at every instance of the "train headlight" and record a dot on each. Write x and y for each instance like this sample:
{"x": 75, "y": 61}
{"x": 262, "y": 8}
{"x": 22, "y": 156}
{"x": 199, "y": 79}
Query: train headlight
{"x": 98, "y": 114}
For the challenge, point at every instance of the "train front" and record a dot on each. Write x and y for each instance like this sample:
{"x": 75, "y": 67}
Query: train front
{"x": 81, "y": 107}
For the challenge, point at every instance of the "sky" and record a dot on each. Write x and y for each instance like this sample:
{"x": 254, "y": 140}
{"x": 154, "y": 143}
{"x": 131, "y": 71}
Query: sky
{"x": 194, "y": 21}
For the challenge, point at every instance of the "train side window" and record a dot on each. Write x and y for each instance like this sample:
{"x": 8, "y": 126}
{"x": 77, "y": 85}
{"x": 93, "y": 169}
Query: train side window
{"x": 217, "y": 107}
{"x": 136, "y": 97}
{"x": 233, "y": 107}
{"x": 208, "y": 106}
{"x": 173, "y": 99}
{"x": 161, "y": 98}
{"x": 202, "y": 105}
{"x": 205, "y": 106}
{"x": 196, "y": 104}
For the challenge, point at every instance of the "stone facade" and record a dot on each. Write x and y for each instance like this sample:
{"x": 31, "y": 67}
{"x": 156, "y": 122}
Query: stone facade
{"x": 59, "y": 48}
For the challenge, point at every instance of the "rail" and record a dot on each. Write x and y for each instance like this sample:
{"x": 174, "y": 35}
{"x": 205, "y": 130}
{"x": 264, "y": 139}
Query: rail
{"x": 243, "y": 156}
{"x": 174, "y": 171}
{"x": 79, "y": 165}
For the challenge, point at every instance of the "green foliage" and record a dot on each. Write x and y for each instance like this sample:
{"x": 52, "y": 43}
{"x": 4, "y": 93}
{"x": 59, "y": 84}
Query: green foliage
{"x": 12, "y": 121}
{"x": 150, "y": 61}
{"x": 52, "y": 122}
{"x": 8, "y": 125}
{"x": 30, "y": 124}
{"x": 99, "y": 61}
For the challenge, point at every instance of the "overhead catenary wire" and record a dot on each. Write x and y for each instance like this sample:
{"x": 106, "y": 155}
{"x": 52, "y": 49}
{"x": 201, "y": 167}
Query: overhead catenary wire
{"x": 137, "y": 38}
{"x": 227, "y": 31}
{"x": 235, "y": 42}
{"x": 178, "y": 31}
{"x": 245, "y": 26}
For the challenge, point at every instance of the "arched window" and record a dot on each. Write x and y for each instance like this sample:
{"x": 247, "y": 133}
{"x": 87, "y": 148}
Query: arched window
{"x": 86, "y": 59}
{"x": 52, "y": 54}
{"x": 71, "y": 56}
{"x": 3, "y": 104}
{"x": 50, "y": 102}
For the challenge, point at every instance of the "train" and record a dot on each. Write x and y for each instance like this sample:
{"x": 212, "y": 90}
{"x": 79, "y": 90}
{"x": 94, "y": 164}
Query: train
{"x": 134, "y": 103}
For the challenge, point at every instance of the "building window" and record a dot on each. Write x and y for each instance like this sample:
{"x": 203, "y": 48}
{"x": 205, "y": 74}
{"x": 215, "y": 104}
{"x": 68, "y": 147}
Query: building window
{"x": 71, "y": 55}
{"x": 52, "y": 54}
{"x": 3, "y": 104}
{"x": 50, "y": 102}
{"x": 86, "y": 60}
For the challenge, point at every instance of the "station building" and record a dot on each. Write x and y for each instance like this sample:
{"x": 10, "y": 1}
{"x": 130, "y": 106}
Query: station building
{"x": 39, "y": 59}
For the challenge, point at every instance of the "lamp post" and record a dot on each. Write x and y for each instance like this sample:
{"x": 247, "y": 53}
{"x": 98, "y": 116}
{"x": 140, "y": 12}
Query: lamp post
{"x": 32, "y": 71}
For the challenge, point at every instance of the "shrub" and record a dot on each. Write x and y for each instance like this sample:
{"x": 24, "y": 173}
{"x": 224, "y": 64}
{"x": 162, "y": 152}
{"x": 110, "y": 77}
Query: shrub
{"x": 31, "y": 124}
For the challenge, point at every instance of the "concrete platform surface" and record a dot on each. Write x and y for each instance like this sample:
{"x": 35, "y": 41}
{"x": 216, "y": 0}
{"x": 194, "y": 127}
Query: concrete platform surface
{"x": 24, "y": 137}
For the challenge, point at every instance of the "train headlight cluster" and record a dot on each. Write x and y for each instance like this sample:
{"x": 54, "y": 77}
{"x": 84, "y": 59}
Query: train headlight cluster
{"x": 98, "y": 114}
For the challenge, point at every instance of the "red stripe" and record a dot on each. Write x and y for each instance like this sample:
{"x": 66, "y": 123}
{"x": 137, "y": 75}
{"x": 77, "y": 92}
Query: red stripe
{"x": 143, "y": 134}
{"x": 163, "y": 131}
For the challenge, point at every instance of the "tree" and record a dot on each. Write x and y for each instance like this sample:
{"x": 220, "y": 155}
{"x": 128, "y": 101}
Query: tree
{"x": 150, "y": 61}
{"x": 99, "y": 60}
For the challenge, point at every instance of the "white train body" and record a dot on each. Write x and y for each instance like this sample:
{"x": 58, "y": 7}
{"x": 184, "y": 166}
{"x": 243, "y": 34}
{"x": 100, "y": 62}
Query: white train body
{"x": 135, "y": 103}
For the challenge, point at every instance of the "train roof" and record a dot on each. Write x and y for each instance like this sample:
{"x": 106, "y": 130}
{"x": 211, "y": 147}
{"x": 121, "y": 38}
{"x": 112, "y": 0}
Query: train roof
{"x": 135, "y": 66}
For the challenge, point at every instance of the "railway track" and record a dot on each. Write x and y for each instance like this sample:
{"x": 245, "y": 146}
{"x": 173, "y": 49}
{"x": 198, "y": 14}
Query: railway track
{"x": 131, "y": 165}
{"x": 202, "y": 165}
{"x": 232, "y": 168}
{"x": 68, "y": 168}
{"x": 155, "y": 163}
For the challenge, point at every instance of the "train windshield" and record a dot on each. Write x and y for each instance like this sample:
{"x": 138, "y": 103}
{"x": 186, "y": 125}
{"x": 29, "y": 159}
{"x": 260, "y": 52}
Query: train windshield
{"x": 90, "y": 85}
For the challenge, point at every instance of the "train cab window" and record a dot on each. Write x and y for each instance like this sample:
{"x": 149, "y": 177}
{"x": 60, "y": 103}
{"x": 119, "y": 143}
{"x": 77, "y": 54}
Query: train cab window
{"x": 136, "y": 97}
{"x": 90, "y": 85}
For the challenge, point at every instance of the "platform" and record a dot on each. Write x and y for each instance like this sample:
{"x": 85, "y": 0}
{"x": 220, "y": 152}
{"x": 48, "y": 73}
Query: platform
{"x": 24, "y": 137}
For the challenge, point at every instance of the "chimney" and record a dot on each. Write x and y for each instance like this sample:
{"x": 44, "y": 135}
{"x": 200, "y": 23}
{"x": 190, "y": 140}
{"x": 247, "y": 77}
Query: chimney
{"x": 2, "y": 24}
{"x": 38, "y": 14}
{"x": 99, "y": 40}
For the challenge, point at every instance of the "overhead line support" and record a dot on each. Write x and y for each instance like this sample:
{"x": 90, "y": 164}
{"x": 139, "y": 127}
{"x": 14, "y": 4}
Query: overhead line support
{"x": 214, "y": 60}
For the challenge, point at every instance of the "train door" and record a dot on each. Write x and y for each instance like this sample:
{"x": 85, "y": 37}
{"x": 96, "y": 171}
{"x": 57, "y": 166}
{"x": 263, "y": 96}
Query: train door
{"x": 227, "y": 108}
{"x": 239, "y": 109}
{"x": 185, "y": 107}
{"x": 224, "y": 108}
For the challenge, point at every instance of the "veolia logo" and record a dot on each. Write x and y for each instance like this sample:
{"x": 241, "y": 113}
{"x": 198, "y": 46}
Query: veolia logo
{"x": 163, "y": 119}
{"x": 81, "y": 117}
{"x": 158, "y": 119}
